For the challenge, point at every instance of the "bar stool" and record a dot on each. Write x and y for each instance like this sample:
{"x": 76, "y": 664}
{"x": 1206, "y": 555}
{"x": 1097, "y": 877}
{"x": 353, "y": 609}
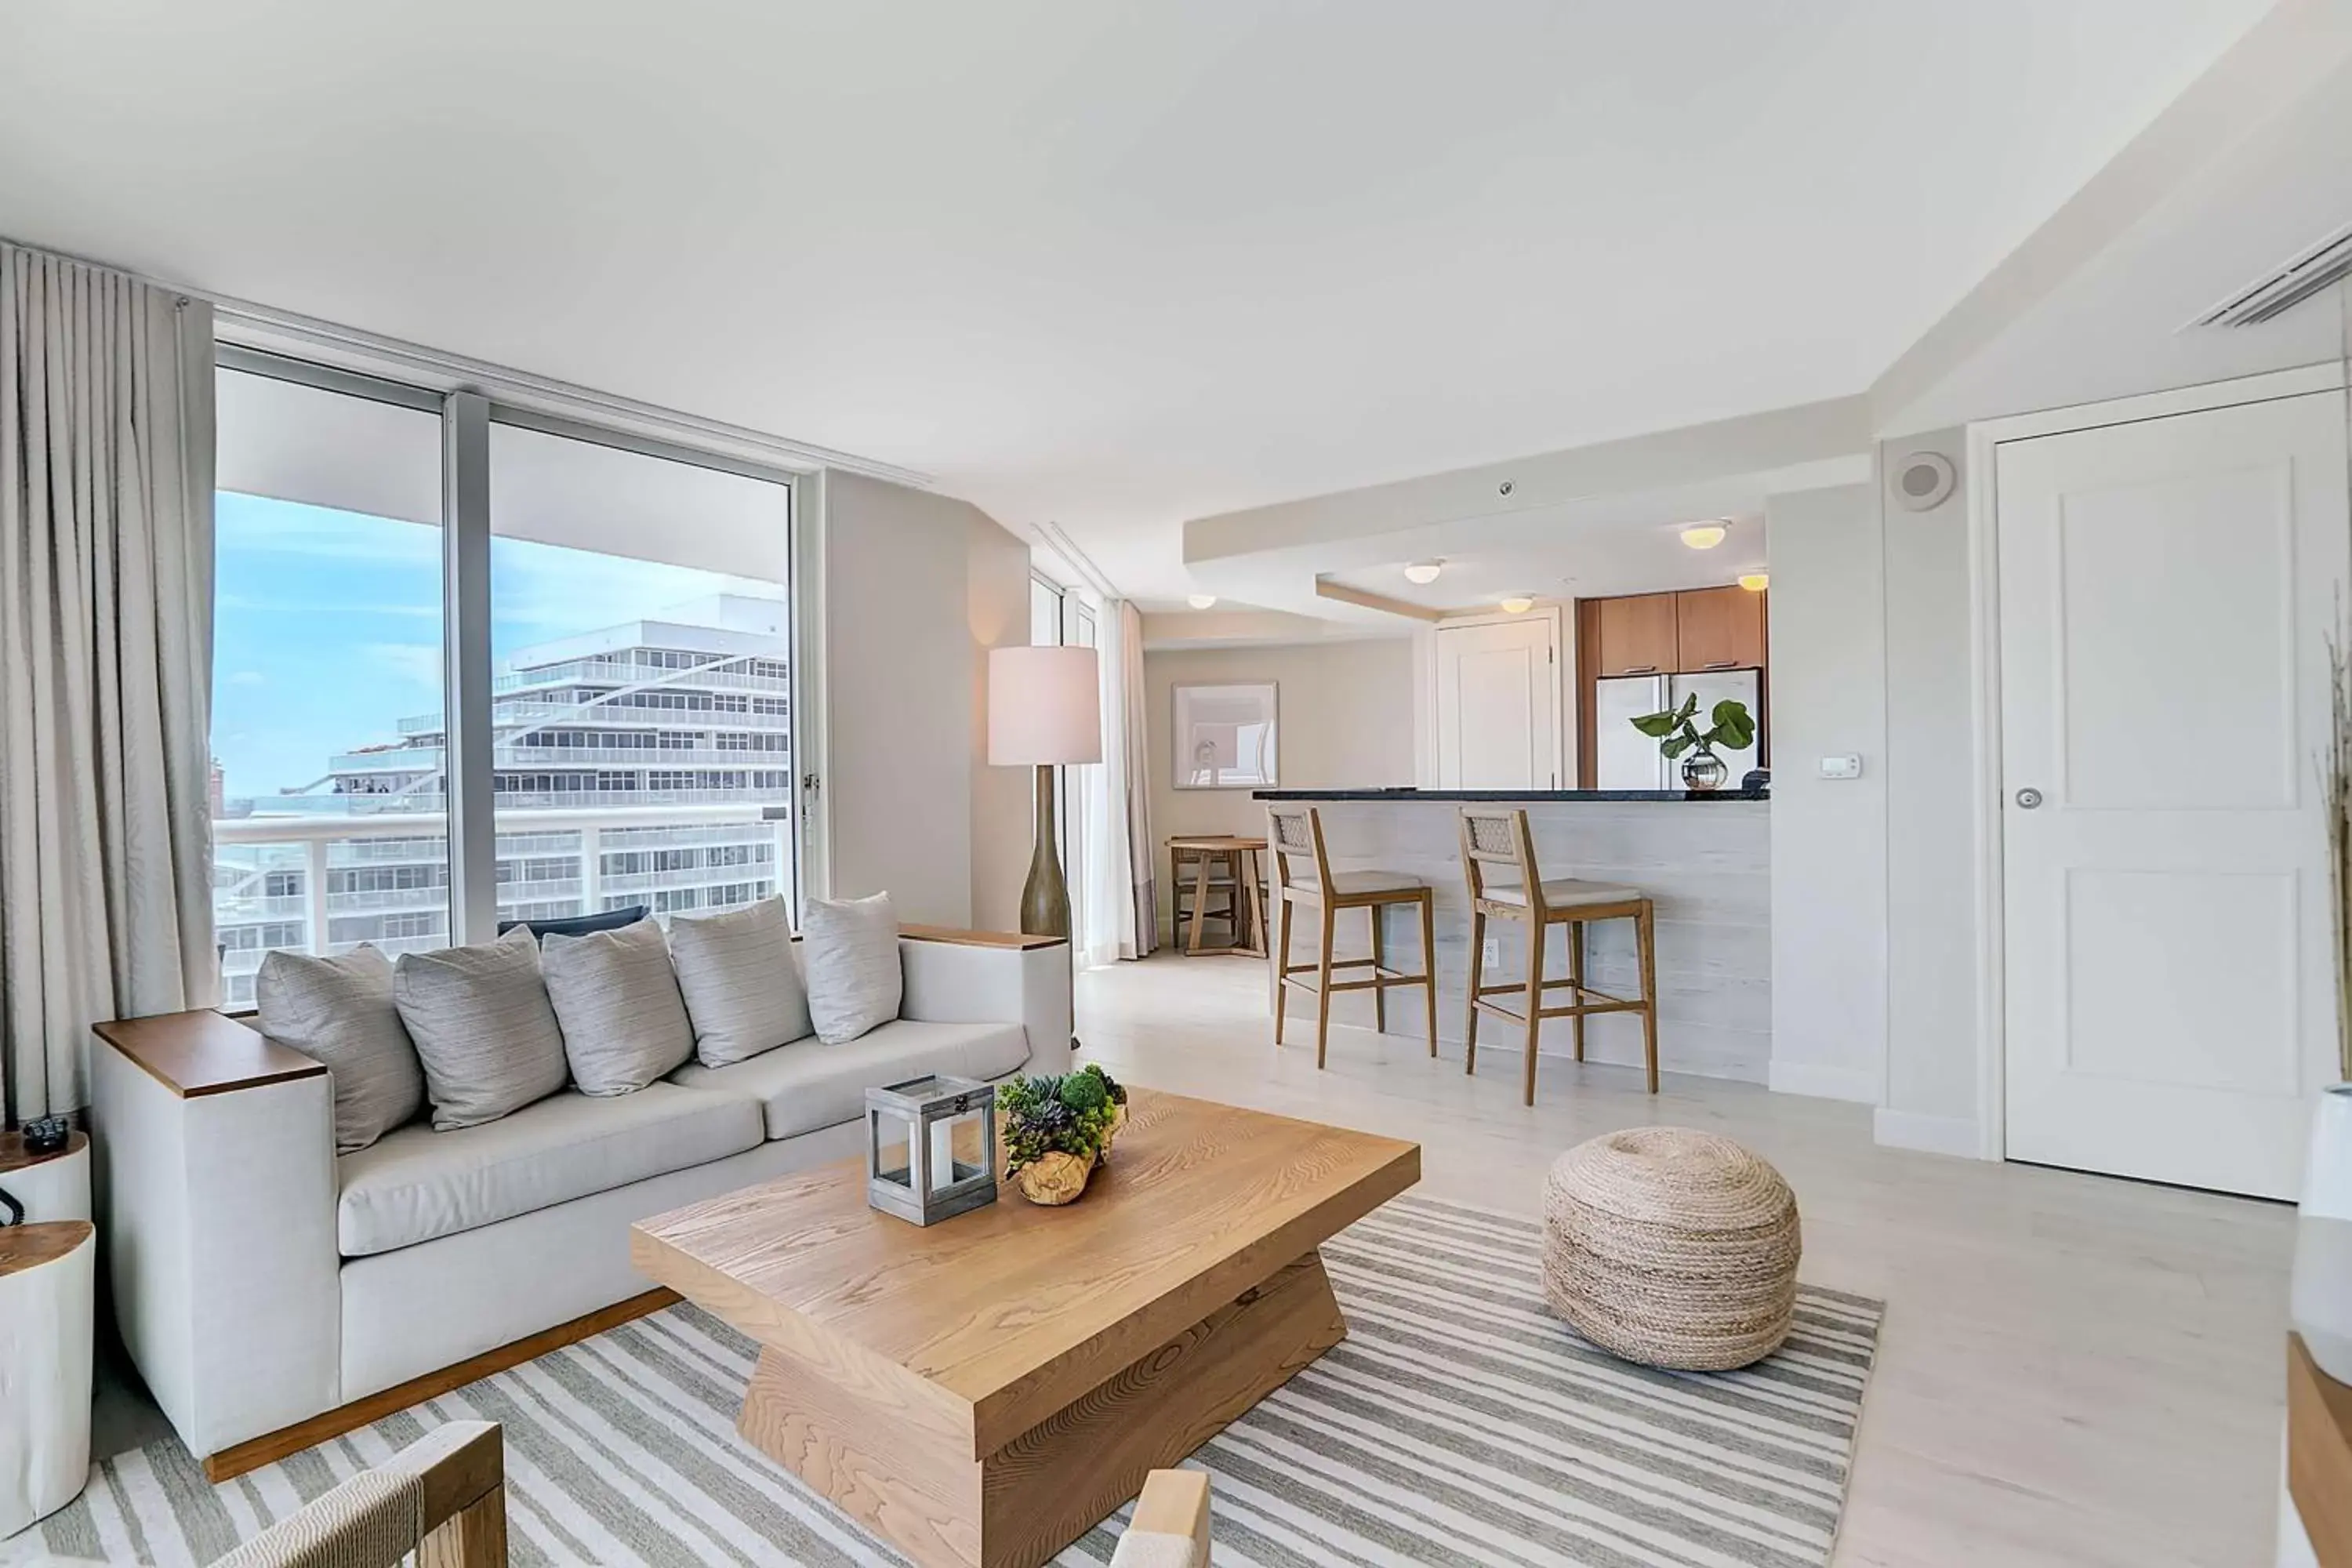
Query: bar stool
{"x": 1501, "y": 839}
{"x": 1305, "y": 874}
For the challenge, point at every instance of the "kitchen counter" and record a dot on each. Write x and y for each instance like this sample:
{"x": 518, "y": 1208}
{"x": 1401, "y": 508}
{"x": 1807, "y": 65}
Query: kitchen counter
{"x": 1709, "y": 874}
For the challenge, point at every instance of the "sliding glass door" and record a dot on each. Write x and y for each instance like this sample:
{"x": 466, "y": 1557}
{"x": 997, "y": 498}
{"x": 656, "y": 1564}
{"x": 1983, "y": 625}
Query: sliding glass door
{"x": 634, "y": 658}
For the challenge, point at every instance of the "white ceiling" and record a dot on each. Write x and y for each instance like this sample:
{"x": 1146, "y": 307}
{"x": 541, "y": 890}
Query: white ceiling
{"x": 1114, "y": 267}
{"x": 1591, "y": 562}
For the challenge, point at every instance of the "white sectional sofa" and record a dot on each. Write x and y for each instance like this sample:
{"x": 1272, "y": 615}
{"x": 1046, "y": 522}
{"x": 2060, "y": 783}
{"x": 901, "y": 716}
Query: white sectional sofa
{"x": 261, "y": 1282}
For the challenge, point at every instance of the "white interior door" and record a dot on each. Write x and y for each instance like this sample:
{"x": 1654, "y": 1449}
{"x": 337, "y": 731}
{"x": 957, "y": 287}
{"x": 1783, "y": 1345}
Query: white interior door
{"x": 2165, "y": 592}
{"x": 1498, "y": 705}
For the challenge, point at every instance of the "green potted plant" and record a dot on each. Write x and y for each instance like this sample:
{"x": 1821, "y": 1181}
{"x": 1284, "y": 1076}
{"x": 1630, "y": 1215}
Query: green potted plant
{"x": 1676, "y": 730}
{"x": 1057, "y": 1129}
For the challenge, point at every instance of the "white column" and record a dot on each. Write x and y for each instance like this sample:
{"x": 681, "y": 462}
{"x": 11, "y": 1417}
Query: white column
{"x": 592, "y": 869}
{"x": 314, "y": 893}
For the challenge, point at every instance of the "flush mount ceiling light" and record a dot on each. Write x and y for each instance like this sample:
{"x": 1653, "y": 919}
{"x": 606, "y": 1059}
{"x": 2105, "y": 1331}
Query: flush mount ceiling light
{"x": 1755, "y": 582}
{"x": 1518, "y": 604}
{"x": 1704, "y": 535}
{"x": 1200, "y": 600}
{"x": 1423, "y": 572}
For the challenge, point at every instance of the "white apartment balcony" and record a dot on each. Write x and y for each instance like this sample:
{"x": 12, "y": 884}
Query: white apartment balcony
{"x": 700, "y": 679}
{"x": 317, "y": 846}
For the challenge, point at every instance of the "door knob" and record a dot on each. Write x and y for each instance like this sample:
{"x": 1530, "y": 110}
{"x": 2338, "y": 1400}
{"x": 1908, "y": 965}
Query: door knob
{"x": 2029, "y": 798}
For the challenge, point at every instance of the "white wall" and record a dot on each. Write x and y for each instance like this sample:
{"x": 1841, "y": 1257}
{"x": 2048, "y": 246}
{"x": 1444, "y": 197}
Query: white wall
{"x": 917, "y": 588}
{"x": 1828, "y": 698}
{"x": 1345, "y": 712}
{"x": 1931, "y": 1023}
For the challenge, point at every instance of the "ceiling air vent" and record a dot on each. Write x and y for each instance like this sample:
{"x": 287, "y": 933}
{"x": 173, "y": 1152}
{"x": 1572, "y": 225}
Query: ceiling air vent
{"x": 2278, "y": 292}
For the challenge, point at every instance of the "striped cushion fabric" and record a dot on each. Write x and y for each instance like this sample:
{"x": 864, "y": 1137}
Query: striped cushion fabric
{"x": 338, "y": 1011}
{"x": 742, "y": 989}
{"x": 853, "y": 982}
{"x": 624, "y": 1022}
{"x": 483, "y": 1027}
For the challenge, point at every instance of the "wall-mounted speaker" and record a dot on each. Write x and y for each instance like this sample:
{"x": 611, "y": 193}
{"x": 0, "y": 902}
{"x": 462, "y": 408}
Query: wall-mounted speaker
{"x": 1924, "y": 481}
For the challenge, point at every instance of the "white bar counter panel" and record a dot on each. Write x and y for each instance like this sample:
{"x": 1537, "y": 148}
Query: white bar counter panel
{"x": 1705, "y": 862}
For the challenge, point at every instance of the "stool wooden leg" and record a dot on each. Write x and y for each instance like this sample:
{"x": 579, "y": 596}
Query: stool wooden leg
{"x": 1281, "y": 969}
{"x": 1576, "y": 979}
{"x": 1429, "y": 965}
{"x": 1323, "y": 991}
{"x": 1646, "y": 936}
{"x": 1380, "y": 962}
{"x": 1200, "y": 900}
{"x": 1477, "y": 978}
{"x": 1535, "y": 1000}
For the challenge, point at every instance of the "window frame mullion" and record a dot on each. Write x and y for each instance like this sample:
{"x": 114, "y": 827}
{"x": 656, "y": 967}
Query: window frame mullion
{"x": 466, "y": 742}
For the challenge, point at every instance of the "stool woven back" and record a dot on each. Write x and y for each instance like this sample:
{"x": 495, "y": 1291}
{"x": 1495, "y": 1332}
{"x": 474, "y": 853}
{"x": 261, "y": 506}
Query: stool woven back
{"x": 1499, "y": 839}
{"x": 1295, "y": 833}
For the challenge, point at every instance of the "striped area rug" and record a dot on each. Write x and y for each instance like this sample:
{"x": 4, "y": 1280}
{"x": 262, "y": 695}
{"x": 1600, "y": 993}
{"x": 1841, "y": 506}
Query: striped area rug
{"x": 1460, "y": 1423}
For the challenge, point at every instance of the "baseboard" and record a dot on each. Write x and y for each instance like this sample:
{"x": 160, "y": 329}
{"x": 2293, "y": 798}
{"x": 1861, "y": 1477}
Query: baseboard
{"x": 272, "y": 1446}
{"x": 1954, "y": 1135}
{"x": 1822, "y": 1081}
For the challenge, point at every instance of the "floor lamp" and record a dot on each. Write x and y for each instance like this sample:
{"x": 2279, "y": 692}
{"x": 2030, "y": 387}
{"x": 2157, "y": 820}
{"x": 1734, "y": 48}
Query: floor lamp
{"x": 1045, "y": 710}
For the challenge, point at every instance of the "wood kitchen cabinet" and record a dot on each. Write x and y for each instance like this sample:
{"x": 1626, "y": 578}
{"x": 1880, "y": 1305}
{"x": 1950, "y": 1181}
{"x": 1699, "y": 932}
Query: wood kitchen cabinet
{"x": 1637, "y": 636}
{"x": 1716, "y": 628}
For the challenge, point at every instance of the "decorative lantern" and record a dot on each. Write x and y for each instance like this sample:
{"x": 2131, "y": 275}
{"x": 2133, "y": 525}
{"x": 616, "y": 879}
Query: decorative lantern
{"x": 930, "y": 1147}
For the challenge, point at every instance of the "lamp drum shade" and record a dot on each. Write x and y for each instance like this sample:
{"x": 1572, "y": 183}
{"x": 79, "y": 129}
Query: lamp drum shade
{"x": 1045, "y": 706}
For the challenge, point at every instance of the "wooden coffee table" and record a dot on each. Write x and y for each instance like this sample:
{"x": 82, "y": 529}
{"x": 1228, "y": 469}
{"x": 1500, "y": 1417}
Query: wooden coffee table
{"x": 985, "y": 1391}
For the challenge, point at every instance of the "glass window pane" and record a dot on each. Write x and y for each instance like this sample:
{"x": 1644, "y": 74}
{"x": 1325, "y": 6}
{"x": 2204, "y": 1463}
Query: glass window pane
{"x": 1045, "y": 615}
{"x": 641, "y": 636}
{"x": 327, "y": 790}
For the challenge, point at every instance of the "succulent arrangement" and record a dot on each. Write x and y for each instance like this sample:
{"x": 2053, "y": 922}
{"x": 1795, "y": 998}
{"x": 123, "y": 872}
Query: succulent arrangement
{"x": 1057, "y": 1128}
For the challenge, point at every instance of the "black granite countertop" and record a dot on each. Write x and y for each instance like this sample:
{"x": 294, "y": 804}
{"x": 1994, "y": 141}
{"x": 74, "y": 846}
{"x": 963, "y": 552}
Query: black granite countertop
{"x": 1532, "y": 796}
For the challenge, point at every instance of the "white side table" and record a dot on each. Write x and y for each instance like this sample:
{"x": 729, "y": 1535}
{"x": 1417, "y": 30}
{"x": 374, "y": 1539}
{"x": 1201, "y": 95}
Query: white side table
{"x": 47, "y": 1273}
{"x": 51, "y": 1186}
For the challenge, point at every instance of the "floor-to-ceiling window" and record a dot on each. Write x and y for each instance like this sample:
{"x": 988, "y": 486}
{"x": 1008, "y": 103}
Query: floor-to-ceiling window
{"x": 634, "y": 660}
{"x": 327, "y": 649}
{"x": 641, "y": 695}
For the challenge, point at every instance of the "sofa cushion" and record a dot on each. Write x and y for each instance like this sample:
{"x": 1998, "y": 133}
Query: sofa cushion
{"x": 850, "y": 954}
{"x": 416, "y": 1183}
{"x": 338, "y": 1011}
{"x": 483, "y": 1027}
{"x": 806, "y": 1085}
{"x": 577, "y": 925}
{"x": 615, "y": 995}
{"x": 741, "y": 984}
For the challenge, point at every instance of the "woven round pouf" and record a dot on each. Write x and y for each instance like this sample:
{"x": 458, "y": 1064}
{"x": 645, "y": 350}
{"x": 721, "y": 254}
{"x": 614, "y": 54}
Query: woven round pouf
{"x": 1671, "y": 1247}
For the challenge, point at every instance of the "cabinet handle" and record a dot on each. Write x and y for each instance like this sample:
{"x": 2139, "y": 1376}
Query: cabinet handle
{"x": 1722, "y": 664}
{"x": 1639, "y": 669}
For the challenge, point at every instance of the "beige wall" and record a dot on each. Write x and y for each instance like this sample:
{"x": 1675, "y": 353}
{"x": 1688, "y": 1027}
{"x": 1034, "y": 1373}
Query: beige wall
{"x": 1345, "y": 712}
{"x": 917, "y": 587}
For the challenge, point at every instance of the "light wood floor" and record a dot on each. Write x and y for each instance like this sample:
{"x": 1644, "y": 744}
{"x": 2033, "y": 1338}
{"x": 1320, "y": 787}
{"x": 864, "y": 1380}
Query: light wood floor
{"x": 2073, "y": 1370}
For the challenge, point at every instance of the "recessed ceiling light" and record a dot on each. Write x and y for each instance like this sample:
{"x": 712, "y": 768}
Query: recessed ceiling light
{"x": 1755, "y": 582}
{"x": 1424, "y": 571}
{"x": 1201, "y": 601}
{"x": 1519, "y": 604}
{"x": 1704, "y": 535}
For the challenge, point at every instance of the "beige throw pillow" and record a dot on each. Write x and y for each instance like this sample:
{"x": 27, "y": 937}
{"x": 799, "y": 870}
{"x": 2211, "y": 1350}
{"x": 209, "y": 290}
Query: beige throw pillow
{"x": 850, "y": 950}
{"x": 741, "y": 987}
{"x": 483, "y": 1027}
{"x": 614, "y": 994}
{"x": 338, "y": 1011}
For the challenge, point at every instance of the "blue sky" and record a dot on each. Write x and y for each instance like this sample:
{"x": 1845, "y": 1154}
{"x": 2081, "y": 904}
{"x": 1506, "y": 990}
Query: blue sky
{"x": 328, "y": 630}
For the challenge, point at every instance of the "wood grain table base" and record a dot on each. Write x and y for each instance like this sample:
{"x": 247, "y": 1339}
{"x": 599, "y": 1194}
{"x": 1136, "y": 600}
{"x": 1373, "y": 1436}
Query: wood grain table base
{"x": 909, "y": 1478}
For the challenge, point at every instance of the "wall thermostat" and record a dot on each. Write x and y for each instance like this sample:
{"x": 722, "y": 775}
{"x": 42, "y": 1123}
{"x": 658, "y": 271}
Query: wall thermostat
{"x": 1848, "y": 767}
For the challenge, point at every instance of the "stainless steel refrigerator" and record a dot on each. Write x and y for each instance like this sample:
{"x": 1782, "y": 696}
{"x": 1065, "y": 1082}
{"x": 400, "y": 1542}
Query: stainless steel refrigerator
{"x": 1624, "y": 758}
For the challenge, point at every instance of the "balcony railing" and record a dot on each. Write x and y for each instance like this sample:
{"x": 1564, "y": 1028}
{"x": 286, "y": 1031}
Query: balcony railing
{"x": 248, "y": 848}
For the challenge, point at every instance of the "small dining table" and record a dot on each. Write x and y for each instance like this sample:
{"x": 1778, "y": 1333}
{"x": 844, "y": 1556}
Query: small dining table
{"x": 1246, "y": 912}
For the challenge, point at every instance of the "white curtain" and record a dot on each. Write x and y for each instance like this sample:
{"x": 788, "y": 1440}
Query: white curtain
{"x": 106, "y": 605}
{"x": 1117, "y": 910}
